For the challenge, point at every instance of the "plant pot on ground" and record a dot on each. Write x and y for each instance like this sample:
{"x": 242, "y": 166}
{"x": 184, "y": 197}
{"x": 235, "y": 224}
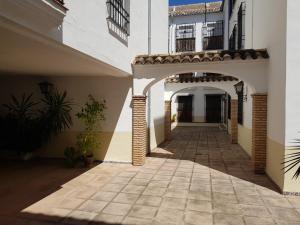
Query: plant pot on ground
{"x": 92, "y": 113}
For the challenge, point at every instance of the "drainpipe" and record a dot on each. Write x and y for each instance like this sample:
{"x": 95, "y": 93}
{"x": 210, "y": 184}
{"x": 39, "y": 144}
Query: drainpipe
{"x": 149, "y": 92}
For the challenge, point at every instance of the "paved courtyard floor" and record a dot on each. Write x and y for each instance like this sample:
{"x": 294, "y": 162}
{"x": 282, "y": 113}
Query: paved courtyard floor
{"x": 196, "y": 178}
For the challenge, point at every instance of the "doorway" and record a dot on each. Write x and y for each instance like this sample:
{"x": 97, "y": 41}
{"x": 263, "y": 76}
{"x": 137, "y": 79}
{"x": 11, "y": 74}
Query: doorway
{"x": 185, "y": 109}
{"x": 213, "y": 108}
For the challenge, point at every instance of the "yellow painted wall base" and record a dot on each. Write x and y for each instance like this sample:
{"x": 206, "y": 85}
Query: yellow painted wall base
{"x": 157, "y": 135}
{"x": 245, "y": 139}
{"x": 275, "y": 156}
{"x": 115, "y": 146}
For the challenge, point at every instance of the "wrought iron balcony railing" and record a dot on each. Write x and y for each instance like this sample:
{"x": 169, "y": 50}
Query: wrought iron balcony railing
{"x": 60, "y": 1}
{"x": 118, "y": 15}
{"x": 185, "y": 45}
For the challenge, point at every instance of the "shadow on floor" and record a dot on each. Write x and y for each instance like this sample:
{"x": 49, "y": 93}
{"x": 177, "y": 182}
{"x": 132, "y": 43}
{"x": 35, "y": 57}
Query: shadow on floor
{"x": 25, "y": 183}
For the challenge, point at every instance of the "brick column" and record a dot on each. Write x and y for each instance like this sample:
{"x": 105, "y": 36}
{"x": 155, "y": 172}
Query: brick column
{"x": 234, "y": 121}
{"x": 259, "y": 132}
{"x": 167, "y": 119}
{"x": 139, "y": 130}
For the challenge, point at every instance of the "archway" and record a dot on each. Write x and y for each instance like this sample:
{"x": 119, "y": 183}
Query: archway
{"x": 249, "y": 66}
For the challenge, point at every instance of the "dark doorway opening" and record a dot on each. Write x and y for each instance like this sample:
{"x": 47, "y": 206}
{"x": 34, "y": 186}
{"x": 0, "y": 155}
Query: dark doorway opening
{"x": 213, "y": 108}
{"x": 185, "y": 109}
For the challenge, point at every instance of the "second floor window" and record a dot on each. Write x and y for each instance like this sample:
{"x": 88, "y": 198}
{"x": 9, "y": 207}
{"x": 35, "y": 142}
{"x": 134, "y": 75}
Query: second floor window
{"x": 232, "y": 39}
{"x": 185, "y": 38}
{"x": 241, "y": 26}
{"x": 213, "y": 36}
{"x": 118, "y": 14}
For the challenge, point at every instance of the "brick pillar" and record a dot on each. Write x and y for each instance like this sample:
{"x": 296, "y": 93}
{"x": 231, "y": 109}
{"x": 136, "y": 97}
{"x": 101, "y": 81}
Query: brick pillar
{"x": 167, "y": 119}
{"x": 139, "y": 136}
{"x": 234, "y": 121}
{"x": 259, "y": 132}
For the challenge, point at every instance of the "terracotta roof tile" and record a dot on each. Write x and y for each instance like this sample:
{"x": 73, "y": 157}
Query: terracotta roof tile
{"x": 200, "y": 79}
{"x": 207, "y": 56}
{"x": 195, "y": 9}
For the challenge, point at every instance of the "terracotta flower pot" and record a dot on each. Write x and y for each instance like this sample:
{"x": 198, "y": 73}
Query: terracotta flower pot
{"x": 89, "y": 160}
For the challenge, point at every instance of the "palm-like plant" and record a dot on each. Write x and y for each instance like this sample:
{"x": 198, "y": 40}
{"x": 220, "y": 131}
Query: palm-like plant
{"x": 56, "y": 116}
{"x": 292, "y": 160}
{"x": 21, "y": 109}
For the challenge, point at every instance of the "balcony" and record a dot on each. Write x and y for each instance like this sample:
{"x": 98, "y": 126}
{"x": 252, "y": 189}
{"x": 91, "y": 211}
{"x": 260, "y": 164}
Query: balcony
{"x": 185, "y": 44}
{"x": 213, "y": 43}
{"x": 213, "y": 36}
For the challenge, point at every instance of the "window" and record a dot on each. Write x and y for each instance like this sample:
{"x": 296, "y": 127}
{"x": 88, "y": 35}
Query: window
{"x": 241, "y": 26}
{"x": 213, "y": 36}
{"x": 232, "y": 39}
{"x": 240, "y": 106}
{"x": 185, "y": 38}
{"x": 118, "y": 14}
{"x": 229, "y": 107}
{"x": 231, "y": 6}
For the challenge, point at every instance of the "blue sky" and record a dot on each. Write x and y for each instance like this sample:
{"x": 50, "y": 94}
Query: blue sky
{"x": 183, "y": 2}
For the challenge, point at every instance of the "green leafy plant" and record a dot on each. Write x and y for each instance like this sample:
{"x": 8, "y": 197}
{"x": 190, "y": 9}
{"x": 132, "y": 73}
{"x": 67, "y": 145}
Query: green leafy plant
{"x": 56, "y": 116}
{"x": 21, "y": 109}
{"x": 20, "y": 124}
{"x": 173, "y": 119}
{"x": 27, "y": 128}
{"x": 72, "y": 156}
{"x": 292, "y": 160}
{"x": 91, "y": 115}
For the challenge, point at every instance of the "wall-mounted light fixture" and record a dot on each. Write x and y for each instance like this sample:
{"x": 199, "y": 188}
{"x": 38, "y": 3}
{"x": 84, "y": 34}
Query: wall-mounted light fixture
{"x": 239, "y": 89}
{"x": 46, "y": 88}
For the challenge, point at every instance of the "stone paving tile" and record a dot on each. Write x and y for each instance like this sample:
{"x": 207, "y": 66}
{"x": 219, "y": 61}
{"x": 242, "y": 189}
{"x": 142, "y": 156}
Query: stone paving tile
{"x": 133, "y": 189}
{"x": 92, "y": 206}
{"x": 225, "y": 219}
{"x": 169, "y": 216}
{"x": 118, "y": 209}
{"x": 174, "y": 203}
{"x": 195, "y": 218}
{"x": 104, "y": 196}
{"x": 254, "y": 210}
{"x": 107, "y": 218}
{"x": 258, "y": 221}
{"x": 141, "y": 211}
{"x": 149, "y": 200}
{"x": 202, "y": 206}
{"x": 126, "y": 198}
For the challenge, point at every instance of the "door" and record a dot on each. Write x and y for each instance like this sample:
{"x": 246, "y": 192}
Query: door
{"x": 213, "y": 108}
{"x": 185, "y": 109}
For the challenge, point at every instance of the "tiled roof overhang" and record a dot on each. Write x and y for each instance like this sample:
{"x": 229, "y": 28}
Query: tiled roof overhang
{"x": 206, "y": 56}
{"x": 200, "y": 79}
{"x": 195, "y": 9}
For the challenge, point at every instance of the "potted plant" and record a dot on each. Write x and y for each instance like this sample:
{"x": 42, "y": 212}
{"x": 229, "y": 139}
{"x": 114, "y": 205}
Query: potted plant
{"x": 30, "y": 124}
{"x": 91, "y": 115}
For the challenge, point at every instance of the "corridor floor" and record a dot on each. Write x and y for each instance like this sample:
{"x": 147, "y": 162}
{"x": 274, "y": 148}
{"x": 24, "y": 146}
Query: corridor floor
{"x": 196, "y": 178}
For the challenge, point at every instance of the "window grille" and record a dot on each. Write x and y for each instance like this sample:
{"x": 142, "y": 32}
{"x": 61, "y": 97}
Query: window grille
{"x": 185, "y": 38}
{"x": 241, "y": 26}
{"x": 118, "y": 15}
{"x": 213, "y": 36}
